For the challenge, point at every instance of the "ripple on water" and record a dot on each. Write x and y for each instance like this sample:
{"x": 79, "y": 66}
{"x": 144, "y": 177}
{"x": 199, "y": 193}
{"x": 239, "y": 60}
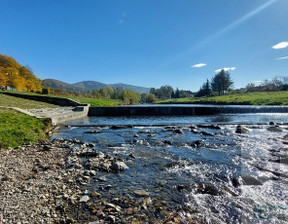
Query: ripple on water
{"x": 226, "y": 178}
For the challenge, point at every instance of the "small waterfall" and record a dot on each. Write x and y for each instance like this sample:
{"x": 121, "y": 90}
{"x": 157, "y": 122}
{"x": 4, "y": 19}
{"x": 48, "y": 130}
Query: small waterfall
{"x": 186, "y": 110}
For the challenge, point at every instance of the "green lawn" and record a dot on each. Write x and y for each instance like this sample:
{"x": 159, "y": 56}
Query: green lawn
{"x": 256, "y": 98}
{"x": 18, "y": 129}
{"x": 11, "y": 101}
{"x": 81, "y": 99}
{"x": 97, "y": 102}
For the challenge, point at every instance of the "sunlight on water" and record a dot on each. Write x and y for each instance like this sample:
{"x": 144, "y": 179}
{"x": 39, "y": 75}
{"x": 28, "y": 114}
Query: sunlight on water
{"x": 216, "y": 175}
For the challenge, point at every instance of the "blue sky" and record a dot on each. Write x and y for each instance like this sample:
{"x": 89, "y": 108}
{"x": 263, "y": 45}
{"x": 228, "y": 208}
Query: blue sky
{"x": 147, "y": 42}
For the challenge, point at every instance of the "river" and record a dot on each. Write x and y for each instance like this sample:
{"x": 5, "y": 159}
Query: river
{"x": 195, "y": 166}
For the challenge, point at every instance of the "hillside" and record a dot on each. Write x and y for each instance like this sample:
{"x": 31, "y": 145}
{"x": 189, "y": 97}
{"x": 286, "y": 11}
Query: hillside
{"x": 89, "y": 85}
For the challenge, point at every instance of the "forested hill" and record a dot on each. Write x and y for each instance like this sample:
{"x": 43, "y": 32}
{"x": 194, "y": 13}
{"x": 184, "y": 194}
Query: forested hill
{"x": 89, "y": 85}
{"x": 14, "y": 75}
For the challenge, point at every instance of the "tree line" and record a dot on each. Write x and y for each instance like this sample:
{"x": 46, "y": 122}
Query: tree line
{"x": 167, "y": 92}
{"x": 14, "y": 75}
{"x": 276, "y": 84}
{"x": 128, "y": 97}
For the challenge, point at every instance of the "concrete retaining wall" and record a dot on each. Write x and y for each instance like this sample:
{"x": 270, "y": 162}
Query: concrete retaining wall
{"x": 53, "y": 100}
{"x": 181, "y": 110}
{"x": 78, "y": 112}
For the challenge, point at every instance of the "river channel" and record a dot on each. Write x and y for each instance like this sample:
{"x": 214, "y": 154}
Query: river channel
{"x": 194, "y": 166}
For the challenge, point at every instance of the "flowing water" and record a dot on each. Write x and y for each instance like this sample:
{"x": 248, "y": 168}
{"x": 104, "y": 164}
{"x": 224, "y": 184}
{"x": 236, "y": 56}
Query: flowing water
{"x": 195, "y": 168}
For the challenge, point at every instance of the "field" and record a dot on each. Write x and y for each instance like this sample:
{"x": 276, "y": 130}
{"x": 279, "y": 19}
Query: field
{"x": 10, "y": 101}
{"x": 97, "y": 102}
{"x": 255, "y": 98}
{"x": 18, "y": 129}
{"x": 27, "y": 104}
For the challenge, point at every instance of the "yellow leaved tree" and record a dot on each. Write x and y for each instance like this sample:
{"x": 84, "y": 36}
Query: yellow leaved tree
{"x": 14, "y": 75}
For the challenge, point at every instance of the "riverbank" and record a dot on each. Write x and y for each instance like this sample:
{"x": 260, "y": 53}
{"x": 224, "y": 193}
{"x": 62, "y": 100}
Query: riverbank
{"x": 18, "y": 128}
{"x": 45, "y": 183}
{"x": 254, "y": 98}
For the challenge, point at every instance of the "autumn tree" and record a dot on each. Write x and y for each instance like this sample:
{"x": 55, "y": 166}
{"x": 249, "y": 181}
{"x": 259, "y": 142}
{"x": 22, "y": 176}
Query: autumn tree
{"x": 16, "y": 76}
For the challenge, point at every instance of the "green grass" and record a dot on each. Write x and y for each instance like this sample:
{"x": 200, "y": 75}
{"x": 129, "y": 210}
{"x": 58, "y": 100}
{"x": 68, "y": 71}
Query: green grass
{"x": 17, "y": 129}
{"x": 97, "y": 102}
{"x": 81, "y": 99}
{"x": 11, "y": 101}
{"x": 256, "y": 98}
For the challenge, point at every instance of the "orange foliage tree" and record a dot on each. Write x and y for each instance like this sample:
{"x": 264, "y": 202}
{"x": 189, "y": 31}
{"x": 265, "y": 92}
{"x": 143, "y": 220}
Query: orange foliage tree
{"x": 14, "y": 75}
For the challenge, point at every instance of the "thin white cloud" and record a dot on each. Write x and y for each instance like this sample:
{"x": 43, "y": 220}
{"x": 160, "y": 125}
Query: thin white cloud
{"x": 282, "y": 58}
{"x": 225, "y": 69}
{"x": 281, "y": 45}
{"x": 258, "y": 81}
{"x": 198, "y": 65}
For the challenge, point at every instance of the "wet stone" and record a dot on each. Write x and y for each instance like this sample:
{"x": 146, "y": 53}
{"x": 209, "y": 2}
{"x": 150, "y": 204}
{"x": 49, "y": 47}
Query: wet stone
{"x": 119, "y": 166}
{"x": 241, "y": 130}
{"x": 141, "y": 193}
{"x": 274, "y": 129}
{"x": 84, "y": 199}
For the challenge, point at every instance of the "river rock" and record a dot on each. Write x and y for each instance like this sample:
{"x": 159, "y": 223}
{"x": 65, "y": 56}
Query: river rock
{"x": 84, "y": 199}
{"x": 194, "y": 131}
{"x": 168, "y": 128}
{"x": 249, "y": 180}
{"x": 141, "y": 193}
{"x": 119, "y": 166}
{"x": 209, "y": 188}
{"x": 211, "y": 126}
{"x": 241, "y": 130}
{"x": 274, "y": 128}
{"x": 178, "y": 131}
{"x": 206, "y": 133}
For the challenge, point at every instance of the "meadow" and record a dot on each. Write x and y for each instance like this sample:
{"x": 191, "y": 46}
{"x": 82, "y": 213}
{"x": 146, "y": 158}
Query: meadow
{"x": 253, "y": 98}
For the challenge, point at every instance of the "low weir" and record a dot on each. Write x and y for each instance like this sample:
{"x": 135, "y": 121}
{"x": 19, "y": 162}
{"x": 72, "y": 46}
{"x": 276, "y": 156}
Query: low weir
{"x": 177, "y": 110}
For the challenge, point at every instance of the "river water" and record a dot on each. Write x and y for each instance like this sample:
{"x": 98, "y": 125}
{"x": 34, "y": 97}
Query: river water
{"x": 196, "y": 166}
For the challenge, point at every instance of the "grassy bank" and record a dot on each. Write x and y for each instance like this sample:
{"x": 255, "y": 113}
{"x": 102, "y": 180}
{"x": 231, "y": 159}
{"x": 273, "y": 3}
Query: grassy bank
{"x": 81, "y": 99}
{"x": 255, "y": 98}
{"x": 11, "y": 101}
{"x": 97, "y": 102}
{"x": 18, "y": 129}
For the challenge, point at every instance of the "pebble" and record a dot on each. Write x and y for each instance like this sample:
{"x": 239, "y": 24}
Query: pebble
{"x": 84, "y": 199}
{"x": 141, "y": 193}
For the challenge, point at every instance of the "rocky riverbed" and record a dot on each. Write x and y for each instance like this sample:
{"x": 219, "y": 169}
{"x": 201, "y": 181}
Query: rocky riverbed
{"x": 204, "y": 173}
{"x": 45, "y": 183}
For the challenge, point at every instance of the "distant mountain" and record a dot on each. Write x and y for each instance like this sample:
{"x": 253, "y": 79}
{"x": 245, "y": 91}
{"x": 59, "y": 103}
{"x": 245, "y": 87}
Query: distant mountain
{"x": 61, "y": 85}
{"x": 89, "y": 85}
{"x": 130, "y": 87}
